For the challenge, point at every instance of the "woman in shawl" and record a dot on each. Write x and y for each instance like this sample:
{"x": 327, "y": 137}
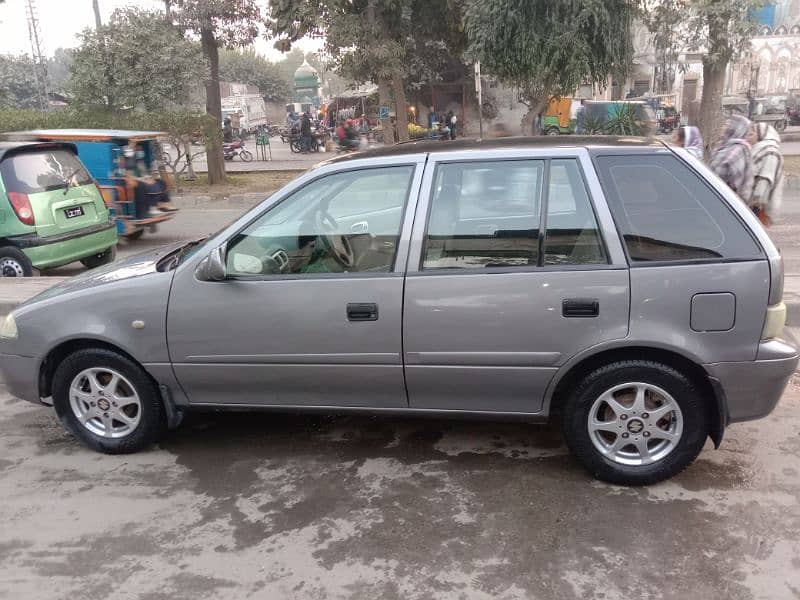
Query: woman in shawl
{"x": 689, "y": 138}
{"x": 731, "y": 159}
{"x": 765, "y": 198}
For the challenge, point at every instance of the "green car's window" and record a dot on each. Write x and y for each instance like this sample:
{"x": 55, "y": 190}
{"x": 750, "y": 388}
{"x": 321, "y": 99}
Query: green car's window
{"x": 345, "y": 222}
{"x": 42, "y": 171}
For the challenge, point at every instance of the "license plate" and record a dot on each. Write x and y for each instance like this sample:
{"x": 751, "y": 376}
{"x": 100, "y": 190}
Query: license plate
{"x": 75, "y": 211}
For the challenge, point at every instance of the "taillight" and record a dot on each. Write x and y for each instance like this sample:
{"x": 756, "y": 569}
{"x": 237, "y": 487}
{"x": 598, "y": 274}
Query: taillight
{"x": 22, "y": 206}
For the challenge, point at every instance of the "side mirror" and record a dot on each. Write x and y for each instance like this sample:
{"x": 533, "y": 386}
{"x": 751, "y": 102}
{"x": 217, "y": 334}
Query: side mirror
{"x": 212, "y": 267}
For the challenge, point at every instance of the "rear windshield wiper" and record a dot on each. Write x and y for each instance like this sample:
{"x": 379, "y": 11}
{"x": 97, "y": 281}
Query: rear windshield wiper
{"x": 68, "y": 180}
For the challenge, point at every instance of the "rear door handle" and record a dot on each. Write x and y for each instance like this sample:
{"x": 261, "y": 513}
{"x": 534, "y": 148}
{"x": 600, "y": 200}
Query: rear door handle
{"x": 362, "y": 312}
{"x": 580, "y": 307}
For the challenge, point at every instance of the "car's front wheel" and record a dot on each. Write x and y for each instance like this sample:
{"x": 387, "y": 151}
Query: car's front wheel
{"x": 635, "y": 422}
{"x": 107, "y": 401}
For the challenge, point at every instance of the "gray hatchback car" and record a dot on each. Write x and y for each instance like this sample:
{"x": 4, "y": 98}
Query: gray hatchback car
{"x": 616, "y": 283}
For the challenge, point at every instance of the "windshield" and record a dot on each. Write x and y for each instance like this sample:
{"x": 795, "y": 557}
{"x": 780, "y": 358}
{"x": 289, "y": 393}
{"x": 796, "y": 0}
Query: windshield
{"x": 43, "y": 171}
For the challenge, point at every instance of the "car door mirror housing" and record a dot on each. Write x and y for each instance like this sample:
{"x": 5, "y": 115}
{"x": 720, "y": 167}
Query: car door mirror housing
{"x": 212, "y": 267}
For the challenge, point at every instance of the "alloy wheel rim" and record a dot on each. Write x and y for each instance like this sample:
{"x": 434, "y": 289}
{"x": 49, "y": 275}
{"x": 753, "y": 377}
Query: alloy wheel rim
{"x": 11, "y": 268}
{"x": 635, "y": 424}
{"x": 105, "y": 402}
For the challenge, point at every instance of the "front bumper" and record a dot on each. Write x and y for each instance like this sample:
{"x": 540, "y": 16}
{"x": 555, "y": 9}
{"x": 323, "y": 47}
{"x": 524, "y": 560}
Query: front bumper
{"x": 752, "y": 389}
{"x": 21, "y": 376}
{"x": 62, "y": 249}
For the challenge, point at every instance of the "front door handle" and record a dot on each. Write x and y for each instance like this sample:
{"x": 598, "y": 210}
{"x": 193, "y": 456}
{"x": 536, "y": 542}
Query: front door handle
{"x": 580, "y": 307}
{"x": 362, "y": 312}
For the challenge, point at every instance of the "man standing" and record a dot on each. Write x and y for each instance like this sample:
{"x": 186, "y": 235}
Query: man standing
{"x": 431, "y": 119}
{"x": 452, "y": 119}
{"x": 305, "y": 133}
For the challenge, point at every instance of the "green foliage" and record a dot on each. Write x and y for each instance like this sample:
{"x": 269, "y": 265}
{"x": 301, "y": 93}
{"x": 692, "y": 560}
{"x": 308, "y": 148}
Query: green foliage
{"x": 137, "y": 59}
{"x": 546, "y": 47}
{"x": 245, "y": 66}
{"x": 623, "y": 121}
{"x": 723, "y": 28}
{"x": 17, "y": 81}
{"x": 58, "y": 69}
{"x": 234, "y": 23}
{"x": 665, "y": 22}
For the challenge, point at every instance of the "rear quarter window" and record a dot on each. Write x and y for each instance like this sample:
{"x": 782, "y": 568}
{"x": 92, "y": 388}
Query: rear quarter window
{"x": 667, "y": 212}
{"x": 37, "y": 171}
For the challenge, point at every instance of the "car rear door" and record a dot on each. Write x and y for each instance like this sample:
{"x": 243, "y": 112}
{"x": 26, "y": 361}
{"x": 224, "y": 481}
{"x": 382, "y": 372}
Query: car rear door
{"x": 512, "y": 270}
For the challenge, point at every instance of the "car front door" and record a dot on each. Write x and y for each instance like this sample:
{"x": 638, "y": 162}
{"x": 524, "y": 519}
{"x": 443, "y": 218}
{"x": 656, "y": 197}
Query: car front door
{"x": 512, "y": 270}
{"x": 309, "y": 312}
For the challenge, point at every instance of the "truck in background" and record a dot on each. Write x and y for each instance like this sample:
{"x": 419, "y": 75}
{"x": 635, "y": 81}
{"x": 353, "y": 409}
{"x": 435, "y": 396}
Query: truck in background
{"x": 244, "y": 106}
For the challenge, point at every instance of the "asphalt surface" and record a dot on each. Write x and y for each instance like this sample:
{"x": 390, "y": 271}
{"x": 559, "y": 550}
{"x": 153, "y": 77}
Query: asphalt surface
{"x": 235, "y": 506}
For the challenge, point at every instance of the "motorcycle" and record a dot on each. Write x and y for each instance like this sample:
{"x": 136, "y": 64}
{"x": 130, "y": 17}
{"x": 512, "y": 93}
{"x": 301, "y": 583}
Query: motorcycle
{"x": 234, "y": 149}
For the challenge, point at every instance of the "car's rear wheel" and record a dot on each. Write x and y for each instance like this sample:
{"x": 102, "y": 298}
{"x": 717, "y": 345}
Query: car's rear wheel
{"x": 98, "y": 260}
{"x": 635, "y": 422}
{"x": 14, "y": 263}
{"x": 107, "y": 401}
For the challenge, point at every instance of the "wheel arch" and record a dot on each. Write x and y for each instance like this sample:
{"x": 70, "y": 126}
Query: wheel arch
{"x": 571, "y": 374}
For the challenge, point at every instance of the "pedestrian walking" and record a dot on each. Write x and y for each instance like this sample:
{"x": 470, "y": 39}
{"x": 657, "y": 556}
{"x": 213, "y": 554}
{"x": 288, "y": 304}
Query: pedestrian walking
{"x": 731, "y": 159}
{"x": 765, "y": 200}
{"x": 689, "y": 138}
{"x": 453, "y": 120}
{"x": 305, "y": 133}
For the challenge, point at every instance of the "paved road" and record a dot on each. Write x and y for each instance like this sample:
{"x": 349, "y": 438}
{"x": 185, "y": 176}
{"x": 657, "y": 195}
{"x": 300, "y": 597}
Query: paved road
{"x": 296, "y": 507}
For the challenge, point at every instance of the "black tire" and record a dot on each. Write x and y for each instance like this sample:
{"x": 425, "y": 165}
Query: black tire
{"x": 553, "y": 131}
{"x": 295, "y": 146}
{"x": 246, "y": 155}
{"x": 151, "y": 420}
{"x": 14, "y": 263}
{"x": 98, "y": 260}
{"x": 134, "y": 235}
{"x": 578, "y": 405}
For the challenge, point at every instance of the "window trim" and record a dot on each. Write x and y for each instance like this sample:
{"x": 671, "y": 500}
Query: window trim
{"x": 544, "y": 191}
{"x": 291, "y": 193}
{"x": 635, "y": 264}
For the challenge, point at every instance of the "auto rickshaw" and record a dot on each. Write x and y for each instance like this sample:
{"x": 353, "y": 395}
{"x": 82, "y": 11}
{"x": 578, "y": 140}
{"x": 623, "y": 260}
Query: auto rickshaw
{"x": 103, "y": 153}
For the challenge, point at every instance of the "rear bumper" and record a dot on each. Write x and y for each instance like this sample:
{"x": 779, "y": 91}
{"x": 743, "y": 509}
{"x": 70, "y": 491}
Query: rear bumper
{"x": 752, "y": 389}
{"x": 58, "y": 250}
{"x": 21, "y": 376}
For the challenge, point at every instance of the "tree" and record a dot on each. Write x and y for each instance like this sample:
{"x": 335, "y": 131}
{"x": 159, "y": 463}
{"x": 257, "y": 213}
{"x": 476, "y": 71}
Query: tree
{"x": 546, "y": 48}
{"x": 58, "y": 69}
{"x": 135, "y": 60}
{"x": 722, "y": 29}
{"x": 245, "y": 66}
{"x": 664, "y": 21}
{"x": 219, "y": 23}
{"x": 18, "y": 87}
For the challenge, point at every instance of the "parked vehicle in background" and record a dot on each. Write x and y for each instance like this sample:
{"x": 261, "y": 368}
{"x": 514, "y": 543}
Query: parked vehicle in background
{"x": 614, "y": 282}
{"x": 668, "y": 119}
{"x": 102, "y": 151}
{"x": 234, "y": 149}
{"x": 51, "y": 210}
{"x": 771, "y": 110}
{"x": 247, "y": 112}
{"x": 603, "y": 114}
{"x": 560, "y": 116}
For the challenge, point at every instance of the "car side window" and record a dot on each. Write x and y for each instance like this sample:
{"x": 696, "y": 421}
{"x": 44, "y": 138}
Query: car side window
{"x": 666, "y": 212}
{"x": 341, "y": 223}
{"x": 484, "y": 214}
{"x": 572, "y": 235}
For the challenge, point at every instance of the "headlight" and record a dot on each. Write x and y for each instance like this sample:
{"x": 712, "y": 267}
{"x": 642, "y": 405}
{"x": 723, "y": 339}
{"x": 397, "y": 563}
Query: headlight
{"x": 8, "y": 330}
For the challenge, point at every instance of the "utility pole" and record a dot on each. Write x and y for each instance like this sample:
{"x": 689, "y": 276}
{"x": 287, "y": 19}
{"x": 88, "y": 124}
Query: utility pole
{"x": 37, "y": 52}
{"x": 97, "y": 20}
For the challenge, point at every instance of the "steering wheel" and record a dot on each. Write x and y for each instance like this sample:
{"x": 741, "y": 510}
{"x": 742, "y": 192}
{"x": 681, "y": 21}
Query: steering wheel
{"x": 333, "y": 243}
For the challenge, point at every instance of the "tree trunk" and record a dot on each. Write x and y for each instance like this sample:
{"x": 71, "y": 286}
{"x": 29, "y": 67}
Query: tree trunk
{"x": 97, "y": 20}
{"x": 216, "y": 163}
{"x": 401, "y": 109}
{"x": 711, "y": 117}
{"x": 537, "y": 105}
{"x": 168, "y": 10}
{"x": 383, "y": 100}
{"x": 190, "y": 175}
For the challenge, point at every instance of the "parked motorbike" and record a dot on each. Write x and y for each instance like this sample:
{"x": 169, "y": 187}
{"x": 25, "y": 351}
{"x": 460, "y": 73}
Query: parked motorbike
{"x": 234, "y": 149}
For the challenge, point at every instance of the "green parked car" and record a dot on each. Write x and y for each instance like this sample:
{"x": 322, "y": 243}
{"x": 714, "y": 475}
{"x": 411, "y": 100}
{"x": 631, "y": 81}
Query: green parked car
{"x": 51, "y": 210}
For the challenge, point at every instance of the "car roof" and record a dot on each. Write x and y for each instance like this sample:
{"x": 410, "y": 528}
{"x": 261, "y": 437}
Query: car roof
{"x": 90, "y": 135}
{"x": 10, "y": 147}
{"x": 542, "y": 141}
